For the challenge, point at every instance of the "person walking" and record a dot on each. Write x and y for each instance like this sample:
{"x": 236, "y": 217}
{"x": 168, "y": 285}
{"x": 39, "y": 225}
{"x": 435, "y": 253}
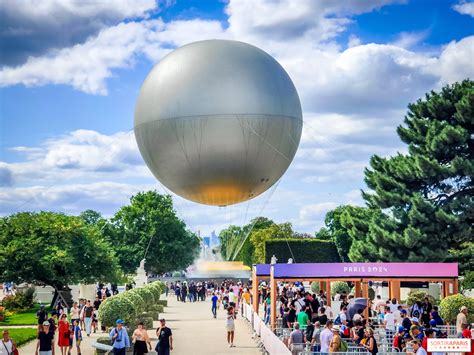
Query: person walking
{"x": 165, "y": 339}
{"x": 461, "y": 319}
{"x": 297, "y": 340}
{"x": 41, "y": 316}
{"x": 335, "y": 344}
{"x": 371, "y": 343}
{"x": 214, "y": 299}
{"x": 230, "y": 326}
{"x": 75, "y": 312}
{"x": 76, "y": 335}
{"x": 389, "y": 323}
{"x": 141, "y": 339}
{"x": 326, "y": 337}
{"x": 119, "y": 338}
{"x": 8, "y": 346}
{"x": 45, "y": 344}
{"x": 87, "y": 313}
{"x": 63, "y": 334}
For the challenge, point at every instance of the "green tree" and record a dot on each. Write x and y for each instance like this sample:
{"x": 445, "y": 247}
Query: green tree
{"x": 48, "y": 248}
{"x": 150, "y": 222}
{"x": 423, "y": 200}
{"x": 274, "y": 231}
{"x": 228, "y": 238}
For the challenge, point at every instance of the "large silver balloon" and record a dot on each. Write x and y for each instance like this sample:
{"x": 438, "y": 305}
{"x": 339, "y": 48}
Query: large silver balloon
{"x": 218, "y": 122}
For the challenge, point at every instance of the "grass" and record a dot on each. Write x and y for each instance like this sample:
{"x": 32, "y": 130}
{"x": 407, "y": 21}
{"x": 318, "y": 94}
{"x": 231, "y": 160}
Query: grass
{"x": 24, "y": 318}
{"x": 22, "y": 335}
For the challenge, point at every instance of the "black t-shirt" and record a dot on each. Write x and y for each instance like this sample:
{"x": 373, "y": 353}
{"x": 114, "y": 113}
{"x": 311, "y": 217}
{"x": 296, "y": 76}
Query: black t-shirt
{"x": 164, "y": 338}
{"x": 52, "y": 326}
{"x": 360, "y": 334}
{"x": 88, "y": 311}
{"x": 45, "y": 340}
{"x": 42, "y": 316}
{"x": 323, "y": 319}
{"x": 315, "y": 305}
{"x": 406, "y": 323}
{"x": 97, "y": 304}
{"x": 292, "y": 315}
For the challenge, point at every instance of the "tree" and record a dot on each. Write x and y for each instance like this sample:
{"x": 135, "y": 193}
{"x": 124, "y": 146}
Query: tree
{"x": 423, "y": 200}
{"x": 150, "y": 223}
{"x": 48, "y": 248}
{"x": 274, "y": 231}
{"x": 227, "y": 239}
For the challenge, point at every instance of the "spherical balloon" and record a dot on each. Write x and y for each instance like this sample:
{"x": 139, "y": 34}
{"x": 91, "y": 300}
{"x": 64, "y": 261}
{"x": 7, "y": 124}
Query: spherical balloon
{"x": 218, "y": 122}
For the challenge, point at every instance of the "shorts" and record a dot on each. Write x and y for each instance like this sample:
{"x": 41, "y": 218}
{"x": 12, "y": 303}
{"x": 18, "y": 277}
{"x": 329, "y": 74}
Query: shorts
{"x": 230, "y": 327}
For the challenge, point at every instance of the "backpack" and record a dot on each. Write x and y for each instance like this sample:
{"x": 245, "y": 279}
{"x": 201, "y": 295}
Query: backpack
{"x": 338, "y": 320}
{"x": 344, "y": 346}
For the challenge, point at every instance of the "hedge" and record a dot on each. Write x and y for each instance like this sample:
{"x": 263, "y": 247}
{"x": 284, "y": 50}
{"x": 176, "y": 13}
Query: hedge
{"x": 164, "y": 303}
{"x": 308, "y": 250}
{"x": 414, "y": 296}
{"x": 147, "y": 321}
{"x": 131, "y": 304}
{"x": 449, "y": 307}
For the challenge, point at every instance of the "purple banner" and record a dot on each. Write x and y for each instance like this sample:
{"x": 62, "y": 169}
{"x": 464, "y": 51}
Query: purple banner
{"x": 322, "y": 270}
{"x": 262, "y": 269}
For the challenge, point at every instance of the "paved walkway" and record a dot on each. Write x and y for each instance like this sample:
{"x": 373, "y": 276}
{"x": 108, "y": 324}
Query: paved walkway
{"x": 194, "y": 332}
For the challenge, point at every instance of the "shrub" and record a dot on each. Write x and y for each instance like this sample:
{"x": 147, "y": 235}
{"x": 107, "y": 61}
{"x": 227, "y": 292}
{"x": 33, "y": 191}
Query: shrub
{"x": 414, "y": 296}
{"x": 152, "y": 314}
{"x": 164, "y": 303}
{"x": 157, "y": 289}
{"x": 147, "y": 296}
{"x": 467, "y": 283}
{"x": 2, "y": 313}
{"x": 339, "y": 287}
{"x": 450, "y": 306}
{"x": 21, "y": 301}
{"x": 308, "y": 250}
{"x": 117, "y": 307}
{"x": 315, "y": 287}
{"x": 158, "y": 308}
{"x": 371, "y": 293}
{"x": 137, "y": 300}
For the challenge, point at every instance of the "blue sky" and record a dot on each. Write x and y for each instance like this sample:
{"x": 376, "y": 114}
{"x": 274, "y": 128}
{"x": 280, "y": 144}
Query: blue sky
{"x": 68, "y": 91}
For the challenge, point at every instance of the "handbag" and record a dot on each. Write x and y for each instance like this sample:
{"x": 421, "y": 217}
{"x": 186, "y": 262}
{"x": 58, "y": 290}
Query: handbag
{"x": 14, "y": 351}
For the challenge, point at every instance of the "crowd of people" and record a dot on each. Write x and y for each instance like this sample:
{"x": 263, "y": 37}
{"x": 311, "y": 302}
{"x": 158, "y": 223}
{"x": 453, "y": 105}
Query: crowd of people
{"x": 308, "y": 322}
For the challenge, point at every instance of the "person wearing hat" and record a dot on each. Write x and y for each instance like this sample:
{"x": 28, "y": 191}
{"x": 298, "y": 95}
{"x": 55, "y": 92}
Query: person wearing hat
{"x": 399, "y": 339}
{"x": 416, "y": 333}
{"x": 165, "y": 339}
{"x": 417, "y": 348}
{"x": 119, "y": 338}
{"x": 45, "y": 344}
{"x": 335, "y": 345}
{"x": 460, "y": 320}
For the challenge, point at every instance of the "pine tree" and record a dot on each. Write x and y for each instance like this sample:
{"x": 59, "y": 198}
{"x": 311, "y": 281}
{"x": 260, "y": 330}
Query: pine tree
{"x": 422, "y": 201}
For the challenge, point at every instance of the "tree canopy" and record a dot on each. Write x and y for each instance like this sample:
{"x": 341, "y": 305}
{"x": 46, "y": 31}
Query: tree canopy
{"x": 54, "y": 249}
{"x": 150, "y": 222}
{"x": 422, "y": 201}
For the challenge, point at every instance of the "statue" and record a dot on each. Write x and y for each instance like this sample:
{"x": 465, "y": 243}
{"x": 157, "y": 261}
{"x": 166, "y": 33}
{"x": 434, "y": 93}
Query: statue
{"x": 273, "y": 260}
{"x": 141, "y": 277}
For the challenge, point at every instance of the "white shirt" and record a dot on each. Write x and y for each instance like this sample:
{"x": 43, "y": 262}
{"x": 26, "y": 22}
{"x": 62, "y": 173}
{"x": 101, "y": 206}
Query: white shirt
{"x": 398, "y": 317}
{"x": 342, "y": 316}
{"x": 389, "y": 320}
{"x": 232, "y": 297}
{"x": 393, "y": 307}
{"x": 325, "y": 338}
{"x": 337, "y": 297}
{"x": 8, "y": 345}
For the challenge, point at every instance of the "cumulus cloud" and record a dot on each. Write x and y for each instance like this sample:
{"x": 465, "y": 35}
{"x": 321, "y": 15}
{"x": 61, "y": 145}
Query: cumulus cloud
{"x": 32, "y": 28}
{"x": 465, "y": 8}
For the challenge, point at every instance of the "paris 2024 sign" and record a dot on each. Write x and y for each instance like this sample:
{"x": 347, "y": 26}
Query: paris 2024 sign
{"x": 218, "y": 122}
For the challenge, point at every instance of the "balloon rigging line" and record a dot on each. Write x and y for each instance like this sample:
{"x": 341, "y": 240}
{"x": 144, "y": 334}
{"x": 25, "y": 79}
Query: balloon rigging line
{"x": 54, "y": 183}
{"x": 255, "y": 221}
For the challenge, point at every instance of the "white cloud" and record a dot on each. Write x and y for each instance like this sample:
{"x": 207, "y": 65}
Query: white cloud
{"x": 456, "y": 62}
{"x": 408, "y": 40}
{"x": 465, "y": 8}
{"x": 41, "y": 26}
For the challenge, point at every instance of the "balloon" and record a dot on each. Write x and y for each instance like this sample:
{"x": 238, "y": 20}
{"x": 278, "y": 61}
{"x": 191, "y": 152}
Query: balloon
{"x": 218, "y": 122}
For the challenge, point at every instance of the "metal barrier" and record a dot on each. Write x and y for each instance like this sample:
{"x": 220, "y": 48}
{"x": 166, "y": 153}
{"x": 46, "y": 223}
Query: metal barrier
{"x": 337, "y": 353}
{"x": 448, "y": 329}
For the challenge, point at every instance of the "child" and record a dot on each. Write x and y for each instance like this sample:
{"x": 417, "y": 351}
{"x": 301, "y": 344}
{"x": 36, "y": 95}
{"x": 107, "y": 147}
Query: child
{"x": 77, "y": 335}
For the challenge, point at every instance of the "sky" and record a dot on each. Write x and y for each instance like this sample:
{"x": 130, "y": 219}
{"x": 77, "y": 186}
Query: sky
{"x": 71, "y": 70}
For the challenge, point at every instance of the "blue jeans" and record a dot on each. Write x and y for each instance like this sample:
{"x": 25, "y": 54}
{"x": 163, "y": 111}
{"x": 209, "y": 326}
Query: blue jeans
{"x": 87, "y": 323}
{"x": 214, "y": 310}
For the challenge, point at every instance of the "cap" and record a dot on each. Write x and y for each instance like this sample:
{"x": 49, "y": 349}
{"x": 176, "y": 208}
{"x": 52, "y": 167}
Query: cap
{"x": 404, "y": 311}
{"x": 46, "y": 323}
{"x": 463, "y": 308}
{"x": 336, "y": 328}
{"x": 433, "y": 322}
{"x": 414, "y": 319}
{"x": 119, "y": 321}
{"x": 401, "y": 329}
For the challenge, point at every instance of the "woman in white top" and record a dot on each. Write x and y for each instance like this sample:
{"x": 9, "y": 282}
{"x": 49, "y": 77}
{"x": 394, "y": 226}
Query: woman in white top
{"x": 7, "y": 345}
{"x": 75, "y": 312}
{"x": 230, "y": 326}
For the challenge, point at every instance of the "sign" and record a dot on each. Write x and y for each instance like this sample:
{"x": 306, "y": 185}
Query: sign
{"x": 262, "y": 269}
{"x": 458, "y": 345}
{"x": 402, "y": 270}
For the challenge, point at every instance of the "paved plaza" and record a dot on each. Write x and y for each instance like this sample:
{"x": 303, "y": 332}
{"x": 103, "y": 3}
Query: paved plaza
{"x": 194, "y": 332}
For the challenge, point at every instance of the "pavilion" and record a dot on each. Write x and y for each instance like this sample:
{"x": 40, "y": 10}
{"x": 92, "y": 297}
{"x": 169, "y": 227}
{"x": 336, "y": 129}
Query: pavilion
{"x": 358, "y": 273}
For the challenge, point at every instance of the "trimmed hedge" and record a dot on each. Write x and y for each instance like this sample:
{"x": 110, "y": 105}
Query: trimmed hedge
{"x": 164, "y": 303}
{"x": 308, "y": 250}
{"x": 147, "y": 321}
{"x": 131, "y": 304}
{"x": 414, "y": 296}
{"x": 339, "y": 287}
